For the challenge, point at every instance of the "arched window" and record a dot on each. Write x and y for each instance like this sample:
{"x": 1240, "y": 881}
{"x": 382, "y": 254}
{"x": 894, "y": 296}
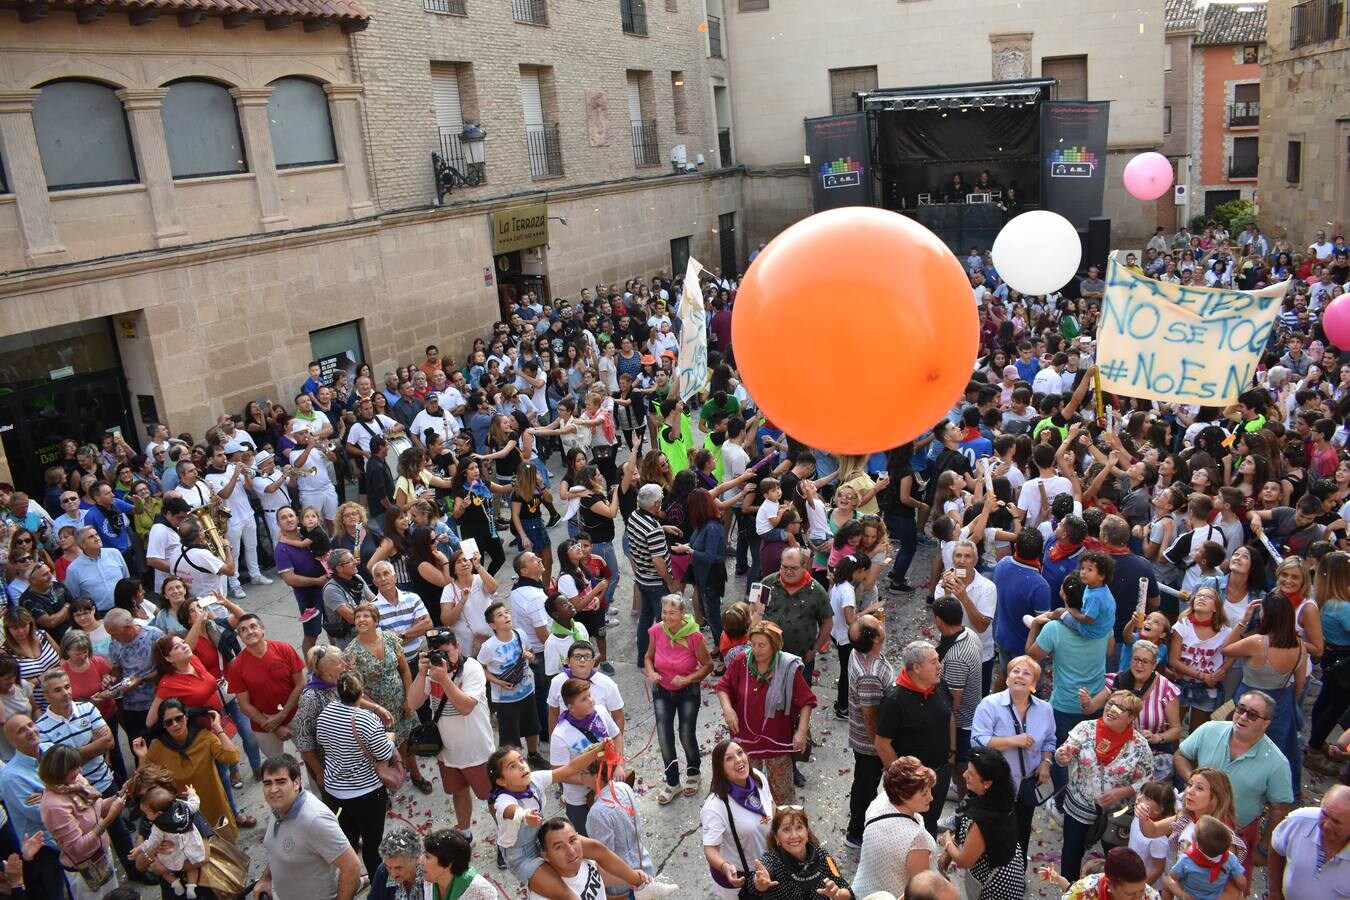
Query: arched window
{"x": 201, "y": 128}
{"x": 82, "y": 135}
{"x": 302, "y": 133}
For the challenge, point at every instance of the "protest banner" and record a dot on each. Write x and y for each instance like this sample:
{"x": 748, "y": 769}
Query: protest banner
{"x": 692, "y": 364}
{"x": 1178, "y": 344}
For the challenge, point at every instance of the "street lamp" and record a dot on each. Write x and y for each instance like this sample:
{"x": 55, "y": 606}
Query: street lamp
{"x": 471, "y": 140}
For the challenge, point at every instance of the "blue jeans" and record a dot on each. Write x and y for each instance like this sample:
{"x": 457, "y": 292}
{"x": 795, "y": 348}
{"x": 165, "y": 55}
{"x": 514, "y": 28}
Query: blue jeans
{"x": 667, "y": 705}
{"x": 606, "y": 552}
{"x": 649, "y": 611}
{"x": 1075, "y": 845}
{"x": 245, "y": 735}
{"x": 1285, "y": 729}
{"x": 1064, "y": 723}
{"x": 711, "y": 598}
{"x": 906, "y": 531}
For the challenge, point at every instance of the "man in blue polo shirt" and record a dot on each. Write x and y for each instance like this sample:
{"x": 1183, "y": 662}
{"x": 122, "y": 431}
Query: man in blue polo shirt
{"x": 1258, "y": 771}
{"x": 96, "y": 571}
{"x": 1022, "y": 591}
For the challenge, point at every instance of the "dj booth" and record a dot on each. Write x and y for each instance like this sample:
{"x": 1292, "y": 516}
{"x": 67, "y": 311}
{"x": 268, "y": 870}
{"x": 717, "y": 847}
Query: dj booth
{"x": 961, "y": 225}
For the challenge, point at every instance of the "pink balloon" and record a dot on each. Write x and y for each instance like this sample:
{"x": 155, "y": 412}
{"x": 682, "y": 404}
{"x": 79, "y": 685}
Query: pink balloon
{"x": 1336, "y": 321}
{"x": 1148, "y": 176}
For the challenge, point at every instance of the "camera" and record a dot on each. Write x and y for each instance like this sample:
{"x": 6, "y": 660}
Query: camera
{"x": 437, "y": 638}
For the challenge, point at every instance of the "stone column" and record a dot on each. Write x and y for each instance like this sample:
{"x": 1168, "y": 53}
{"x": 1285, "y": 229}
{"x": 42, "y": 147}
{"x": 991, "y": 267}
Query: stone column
{"x": 23, "y": 166}
{"x": 262, "y": 161}
{"x": 152, "y": 160}
{"x": 344, "y": 104}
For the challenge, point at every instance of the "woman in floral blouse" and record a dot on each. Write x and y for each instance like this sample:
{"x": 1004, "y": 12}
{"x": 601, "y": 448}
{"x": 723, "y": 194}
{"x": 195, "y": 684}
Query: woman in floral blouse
{"x": 1108, "y": 761}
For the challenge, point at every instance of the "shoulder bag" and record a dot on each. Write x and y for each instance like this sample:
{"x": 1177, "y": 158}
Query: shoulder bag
{"x": 425, "y": 738}
{"x": 1029, "y": 791}
{"x": 746, "y": 890}
{"x": 391, "y": 773}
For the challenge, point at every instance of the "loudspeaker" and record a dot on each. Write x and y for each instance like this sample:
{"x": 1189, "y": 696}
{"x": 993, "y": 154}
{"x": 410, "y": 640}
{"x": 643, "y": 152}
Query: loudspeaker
{"x": 1096, "y": 243}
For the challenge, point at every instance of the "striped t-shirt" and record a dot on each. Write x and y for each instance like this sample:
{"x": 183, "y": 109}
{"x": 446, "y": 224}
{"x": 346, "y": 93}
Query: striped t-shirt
{"x": 77, "y": 731}
{"x": 346, "y": 770}
{"x": 398, "y": 618}
{"x": 648, "y": 542}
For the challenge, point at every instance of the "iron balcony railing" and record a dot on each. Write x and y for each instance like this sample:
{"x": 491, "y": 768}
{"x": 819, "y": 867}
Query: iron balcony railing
{"x": 1315, "y": 21}
{"x": 634, "y": 15}
{"x": 535, "y": 12}
{"x": 715, "y": 37}
{"x": 452, "y": 151}
{"x": 645, "y": 149}
{"x": 1241, "y": 115}
{"x": 545, "y": 150}
{"x": 453, "y": 7}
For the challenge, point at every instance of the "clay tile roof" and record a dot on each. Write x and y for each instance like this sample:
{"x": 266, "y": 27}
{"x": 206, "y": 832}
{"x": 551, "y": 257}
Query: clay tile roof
{"x": 1181, "y": 15}
{"x": 344, "y": 11}
{"x": 1229, "y": 24}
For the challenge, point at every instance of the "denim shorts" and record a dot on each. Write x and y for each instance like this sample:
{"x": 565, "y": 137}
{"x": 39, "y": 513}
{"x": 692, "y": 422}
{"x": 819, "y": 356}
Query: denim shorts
{"x": 1197, "y": 695}
{"x": 533, "y": 527}
{"x": 523, "y": 858}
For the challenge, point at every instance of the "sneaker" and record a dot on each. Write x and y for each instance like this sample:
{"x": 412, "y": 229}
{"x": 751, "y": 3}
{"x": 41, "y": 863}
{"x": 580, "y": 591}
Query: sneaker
{"x": 308, "y": 614}
{"x": 236, "y": 780}
{"x": 952, "y": 794}
{"x": 797, "y": 777}
{"x": 840, "y": 713}
{"x": 238, "y": 593}
{"x": 607, "y": 667}
{"x": 537, "y": 761}
{"x": 261, "y": 579}
{"x": 653, "y": 889}
{"x": 851, "y": 842}
{"x": 668, "y": 793}
{"x": 902, "y": 587}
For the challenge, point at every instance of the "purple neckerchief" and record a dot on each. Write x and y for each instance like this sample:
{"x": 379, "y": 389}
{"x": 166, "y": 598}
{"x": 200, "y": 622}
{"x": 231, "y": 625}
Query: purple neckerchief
{"x": 527, "y": 794}
{"x": 748, "y": 796}
{"x": 318, "y": 684}
{"x": 568, "y": 670}
{"x": 592, "y": 724}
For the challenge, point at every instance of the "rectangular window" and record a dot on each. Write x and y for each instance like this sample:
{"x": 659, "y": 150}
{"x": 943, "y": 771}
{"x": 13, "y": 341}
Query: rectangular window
{"x": 844, "y": 83}
{"x": 752, "y": 5}
{"x": 338, "y": 347}
{"x": 672, "y": 5}
{"x": 542, "y": 140}
{"x": 681, "y": 102}
{"x": 1244, "y": 159}
{"x": 1072, "y": 73}
{"x": 452, "y": 98}
{"x": 1167, "y": 56}
{"x": 726, "y": 234}
{"x": 679, "y": 255}
{"x": 533, "y": 12}
{"x": 446, "y": 7}
{"x": 1293, "y": 166}
{"x": 1167, "y": 120}
{"x": 633, "y": 15}
{"x": 642, "y": 118}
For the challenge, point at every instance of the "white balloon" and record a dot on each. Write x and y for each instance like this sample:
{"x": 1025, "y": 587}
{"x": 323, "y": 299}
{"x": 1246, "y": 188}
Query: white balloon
{"x": 1037, "y": 252}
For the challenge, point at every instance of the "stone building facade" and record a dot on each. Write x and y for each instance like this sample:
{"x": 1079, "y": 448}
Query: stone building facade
{"x": 1305, "y": 121}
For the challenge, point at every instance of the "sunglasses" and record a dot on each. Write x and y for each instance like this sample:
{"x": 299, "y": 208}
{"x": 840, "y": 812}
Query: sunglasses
{"x": 23, "y": 540}
{"x": 1246, "y": 712}
{"x": 70, "y": 499}
{"x": 174, "y": 720}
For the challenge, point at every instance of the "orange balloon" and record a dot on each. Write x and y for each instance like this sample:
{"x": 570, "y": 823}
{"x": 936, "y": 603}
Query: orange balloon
{"x": 855, "y": 330}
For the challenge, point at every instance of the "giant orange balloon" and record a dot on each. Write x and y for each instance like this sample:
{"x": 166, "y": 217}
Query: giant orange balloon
{"x": 855, "y": 330}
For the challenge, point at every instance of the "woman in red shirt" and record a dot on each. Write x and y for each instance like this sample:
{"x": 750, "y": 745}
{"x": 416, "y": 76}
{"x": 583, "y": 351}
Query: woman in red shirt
{"x": 182, "y": 675}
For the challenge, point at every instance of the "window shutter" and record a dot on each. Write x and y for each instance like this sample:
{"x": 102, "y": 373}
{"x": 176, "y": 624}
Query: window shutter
{"x": 634, "y": 99}
{"x": 530, "y": 100}
{"x": 445, "y": 94}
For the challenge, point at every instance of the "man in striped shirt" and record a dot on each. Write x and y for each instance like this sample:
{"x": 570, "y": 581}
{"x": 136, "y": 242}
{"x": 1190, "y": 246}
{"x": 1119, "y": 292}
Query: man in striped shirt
{"x": 651, "y": 561}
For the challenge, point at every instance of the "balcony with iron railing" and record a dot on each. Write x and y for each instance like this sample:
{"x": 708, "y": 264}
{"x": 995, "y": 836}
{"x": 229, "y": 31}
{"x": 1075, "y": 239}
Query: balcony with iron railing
{"x": 1315, "y": 21}
{"x": 545, "y": 149}
{"x": 1242, "y": 168}
{"x": 724, "y": 147}
{"x": 447, "y": 7}
{"x": 452, "y": 151}
{"x": 532, "y": 12}
{"x": 715, "y": 37}
{"x": 634, "y": 16}
{"x": 1244, "y": 115}
{"x": 646, "y": 151}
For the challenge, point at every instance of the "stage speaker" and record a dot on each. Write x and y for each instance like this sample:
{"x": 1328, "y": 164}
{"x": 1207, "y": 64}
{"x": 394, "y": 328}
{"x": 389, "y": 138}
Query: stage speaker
{"x": 1096, "y": 243}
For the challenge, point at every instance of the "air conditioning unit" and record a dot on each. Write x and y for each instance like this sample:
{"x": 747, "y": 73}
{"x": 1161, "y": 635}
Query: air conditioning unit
{"x": 1180, "y": 195}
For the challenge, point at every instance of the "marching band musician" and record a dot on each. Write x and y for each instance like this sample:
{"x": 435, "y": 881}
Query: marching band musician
{"x": 225, "y": 475}
{"x": 310, "y": 458}
{"x": 198, "y": 565}
{"x": 190, "y": 487}
{"x": 273, "y": 488}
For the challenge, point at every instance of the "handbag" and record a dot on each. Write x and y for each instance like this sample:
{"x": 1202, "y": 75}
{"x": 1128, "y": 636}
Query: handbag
{"x": 225, "y": 871}
{"x": 425, "y": 738}
{"x": 391, "y": 773}
{"x": 95, "y": 872}
{"x": 746, "y": 890}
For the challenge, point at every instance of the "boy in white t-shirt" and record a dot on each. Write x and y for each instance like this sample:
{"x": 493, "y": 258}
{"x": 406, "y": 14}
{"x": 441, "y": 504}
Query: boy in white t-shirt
{"x": 581, "y": 664}
{"x": 581, "y": 724}
{"x": 771, "y": 510}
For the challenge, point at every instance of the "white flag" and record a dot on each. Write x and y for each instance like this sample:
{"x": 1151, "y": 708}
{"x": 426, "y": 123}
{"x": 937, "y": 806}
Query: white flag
{"x": 692, "y": 366}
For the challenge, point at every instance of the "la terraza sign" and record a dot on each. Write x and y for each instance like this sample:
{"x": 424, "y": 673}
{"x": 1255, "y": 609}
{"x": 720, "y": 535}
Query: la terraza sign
{"x": 519, "y": 227}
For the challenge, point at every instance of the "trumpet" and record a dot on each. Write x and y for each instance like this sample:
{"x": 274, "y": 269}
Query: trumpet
{"x": 292, "y": 470}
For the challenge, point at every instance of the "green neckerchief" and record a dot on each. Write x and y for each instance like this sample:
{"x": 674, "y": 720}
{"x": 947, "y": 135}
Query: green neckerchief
{"x": 687, "y": 627}
{"x": 458, "y": 886}
{"x": 555, "y": 628}
{"x": 767, "y": 673}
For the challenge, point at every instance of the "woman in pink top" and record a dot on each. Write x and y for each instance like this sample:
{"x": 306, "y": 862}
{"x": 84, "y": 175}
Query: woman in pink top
{"x": 77, "y": 819}
{"x": 677, "y": 660}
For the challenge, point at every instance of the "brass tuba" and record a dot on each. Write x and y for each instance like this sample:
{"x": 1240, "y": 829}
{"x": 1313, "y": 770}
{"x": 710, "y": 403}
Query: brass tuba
{"x": 213, "y": 520}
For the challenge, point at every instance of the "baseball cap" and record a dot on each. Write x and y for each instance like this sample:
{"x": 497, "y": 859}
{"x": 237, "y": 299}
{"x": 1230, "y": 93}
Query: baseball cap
{"x": 233, "y": 447}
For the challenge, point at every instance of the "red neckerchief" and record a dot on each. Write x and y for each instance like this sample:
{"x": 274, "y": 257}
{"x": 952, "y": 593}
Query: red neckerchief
{"x": 970, "y": 434}
{"x": 1202, "y": 623}
{"x": 795, "y": 585}
{"x": 1029, "y": 563}
{"x": 1092, "y": 543}
{"x": 1197, "y": 856}
{"x": 1116, "y": 551}
{"x": 1062, "y": 550}
{"x": 1103, "y": 888}
{"x": 726, "y": 642}
{"x": 903, "y": 680}
{"x": 1108, "y": 742}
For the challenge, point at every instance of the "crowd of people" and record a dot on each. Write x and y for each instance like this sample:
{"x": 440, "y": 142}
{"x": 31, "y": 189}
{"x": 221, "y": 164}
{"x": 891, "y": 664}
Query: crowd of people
{"x": 1133, "y": 636}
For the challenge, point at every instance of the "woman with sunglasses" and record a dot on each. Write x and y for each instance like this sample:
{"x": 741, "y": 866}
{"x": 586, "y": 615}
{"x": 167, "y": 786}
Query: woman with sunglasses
{"x": 24, "y": 552}
{"x": 190, "y": 744}
{"x": 1107, "y": 760}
